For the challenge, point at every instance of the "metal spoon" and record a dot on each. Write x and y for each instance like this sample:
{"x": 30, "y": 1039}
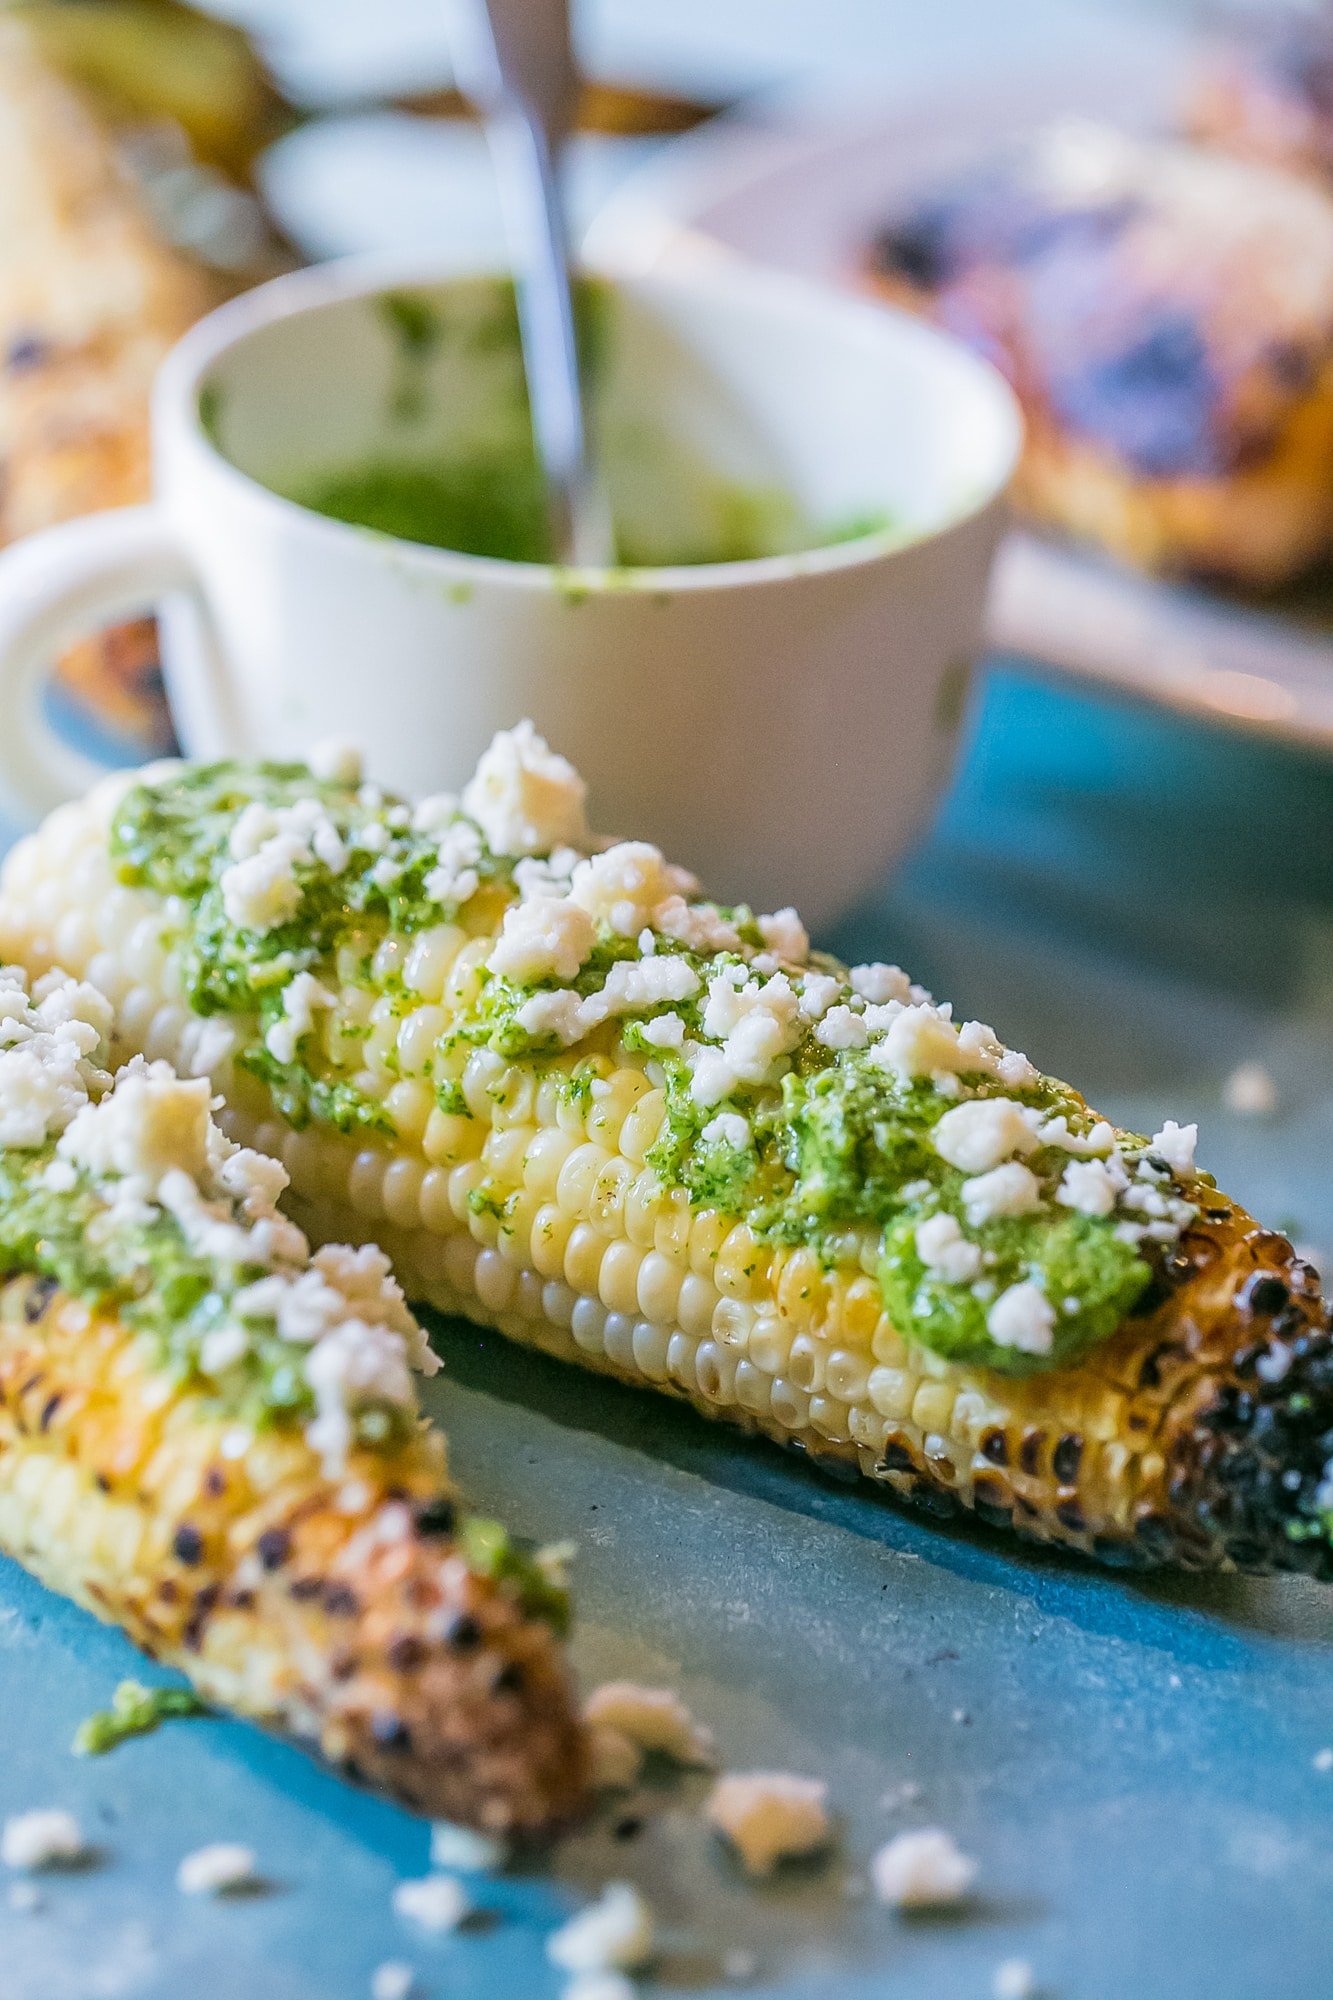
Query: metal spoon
{"x": 515, "y": 61}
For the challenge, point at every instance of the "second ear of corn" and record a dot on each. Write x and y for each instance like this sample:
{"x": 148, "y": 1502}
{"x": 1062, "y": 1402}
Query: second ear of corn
{"x": 529, "y": 1206}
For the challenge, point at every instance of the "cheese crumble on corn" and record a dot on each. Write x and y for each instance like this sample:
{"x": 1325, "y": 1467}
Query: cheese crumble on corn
{"x": 575, "y": 1100}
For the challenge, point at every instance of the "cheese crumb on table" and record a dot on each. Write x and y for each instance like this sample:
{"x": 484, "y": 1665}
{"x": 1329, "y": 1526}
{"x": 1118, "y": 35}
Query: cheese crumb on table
{"x": 48, "y": 1837}
{"x": 1014, "y": 1980}
{"x": 220, "y": 1869}
{"x": 436, "y": 1902}
{"x": 922, "y": 1870}
{"x": 770, "y": 1816}
{"x": 392, "y": 1981}
{"x": 738, "y": 1965}
{"x": 616, "y": 1761}
{"x": 614, "y": 1934}
{"x": 598, "y": 1986}
{"x": 1323, "y": 1760}
{"x": 461, "y": 1847}
{"x": 654, "y": 1719}
{"x": 1250, "y": 1091}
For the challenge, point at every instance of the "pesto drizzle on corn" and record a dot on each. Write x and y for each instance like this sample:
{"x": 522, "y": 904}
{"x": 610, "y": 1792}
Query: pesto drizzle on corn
{"x": 837, "y": 1109}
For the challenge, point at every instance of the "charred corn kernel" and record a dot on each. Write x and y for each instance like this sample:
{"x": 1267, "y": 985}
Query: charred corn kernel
{"x": 519, "y": 1189}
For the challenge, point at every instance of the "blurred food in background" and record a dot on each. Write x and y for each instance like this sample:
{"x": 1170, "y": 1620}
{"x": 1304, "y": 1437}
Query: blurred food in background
{"x": 1265, "y": 88}
{"x": 127, "y": 132}
{"x": 1165, "y": 313}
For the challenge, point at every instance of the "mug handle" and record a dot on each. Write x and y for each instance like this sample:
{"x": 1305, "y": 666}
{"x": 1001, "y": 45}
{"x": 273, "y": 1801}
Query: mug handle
{"x": 55, "y": 587}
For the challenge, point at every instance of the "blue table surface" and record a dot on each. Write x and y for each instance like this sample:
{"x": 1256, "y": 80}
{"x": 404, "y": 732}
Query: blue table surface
{"x": 1142, "y": 905}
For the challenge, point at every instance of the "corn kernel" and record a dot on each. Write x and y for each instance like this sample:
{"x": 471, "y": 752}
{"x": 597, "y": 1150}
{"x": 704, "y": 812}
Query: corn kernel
{"x": 618, "y": 1276}
{"x": 552, "y": 1227}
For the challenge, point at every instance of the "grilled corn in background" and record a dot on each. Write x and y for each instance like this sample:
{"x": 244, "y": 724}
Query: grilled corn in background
{"x": 578, "y": 1103}
{"x": 211, "y": 1438}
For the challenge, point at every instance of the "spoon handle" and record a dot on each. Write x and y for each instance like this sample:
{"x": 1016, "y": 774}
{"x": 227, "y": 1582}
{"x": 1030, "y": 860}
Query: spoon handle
{"x": 518, "y": 66}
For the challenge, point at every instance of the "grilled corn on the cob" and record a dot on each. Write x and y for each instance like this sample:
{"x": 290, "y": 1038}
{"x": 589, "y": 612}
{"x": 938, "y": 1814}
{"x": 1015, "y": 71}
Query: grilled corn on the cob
{"x": 575, "y": 1102}
{"x": 211, "y": 1439}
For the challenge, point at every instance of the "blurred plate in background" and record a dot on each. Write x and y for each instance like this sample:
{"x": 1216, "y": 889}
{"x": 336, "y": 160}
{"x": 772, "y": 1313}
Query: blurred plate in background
{"x": 805, "y": 185}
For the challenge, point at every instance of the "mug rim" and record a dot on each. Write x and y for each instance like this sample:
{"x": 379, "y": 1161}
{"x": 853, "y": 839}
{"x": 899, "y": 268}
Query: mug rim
{"x": 703, "y": 268}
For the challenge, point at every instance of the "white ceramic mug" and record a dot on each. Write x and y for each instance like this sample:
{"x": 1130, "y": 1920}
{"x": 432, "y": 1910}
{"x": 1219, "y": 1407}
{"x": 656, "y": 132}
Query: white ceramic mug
{"x": 779, "y": 723}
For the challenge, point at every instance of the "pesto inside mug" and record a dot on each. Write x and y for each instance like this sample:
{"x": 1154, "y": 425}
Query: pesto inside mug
{"x": 459, "y": 471}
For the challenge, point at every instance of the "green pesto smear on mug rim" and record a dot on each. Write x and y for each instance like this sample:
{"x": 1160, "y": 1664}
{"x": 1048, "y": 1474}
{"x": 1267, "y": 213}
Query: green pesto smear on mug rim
{"x": 840, "y": 1146}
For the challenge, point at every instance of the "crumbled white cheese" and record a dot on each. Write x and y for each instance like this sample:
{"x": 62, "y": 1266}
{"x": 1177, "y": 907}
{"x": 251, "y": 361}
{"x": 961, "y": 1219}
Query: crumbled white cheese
{"x": 699, "y": 927}
{"x": 335, "y": 762}
{"x": 614, "y": 1934}
{"x": 616, "y": 1762}
{"x": 655, "y": 1719}
{"x": 1014, "y": 1980}
{"x": 665, "y": 1031}
{"x": 727, "y": 1129}
{"x": 922, "y": 1870}
{"x": 842, "y": 1029}
{"x": 220, "y": 1869}
{"x": 392, "y": 1981}
{"x": 1023, "y": 1318}
{"x": 355, "y": 1363}
{"x": 559, "y": 1014}
{"x": 546, "y": 874}
{"x": 1175, "y": 1144}
{"x": 739, "y": 1965}
{"x": 758, "y": 1024}
{"x": 1250, "y": 1091}
{"x": 48, "y": 1046}
{"x": 302, "y": 997}
{"x": 785, "y": 934}
{"x": 151, "y": 1123}
{"x": 456, "y": 877}
{"x": 435, "y": 1902}
{"x": 1323, "y": 1760}
{"x": 1092, "y": 1186}
{"x": 47, "y": 1837}
{"x": 880, "y": 983}
{"x": 649, "y": 982}
{"x": 463, "y": 1847}
{"x": 260, "y": 888}
{"x": 1012, "y": 1189}
{"x": 544, "y": 937}
{"x": 1097, "y": 1142}
{"x": 627, "y": 885}
{"x": 923, "y": 1041}
{"x": 770, "y": 1816}
{"x": 433, "y": 814}
{"x": 984, "y": 1132}
{"x": 819, "y": 990}
{"x": 946, "y": 1252}
{"x": 524, "y": 797}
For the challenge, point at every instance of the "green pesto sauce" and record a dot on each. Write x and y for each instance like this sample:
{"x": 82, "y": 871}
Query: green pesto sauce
{"x": 173, "y": 838}
{"x": 148, "y": 1274}
{"x": 135, "y": 1711}
{"x": 492, "y": 1551}
{"x": 496, "y": 506}
{"x": 841, "y": 1146}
